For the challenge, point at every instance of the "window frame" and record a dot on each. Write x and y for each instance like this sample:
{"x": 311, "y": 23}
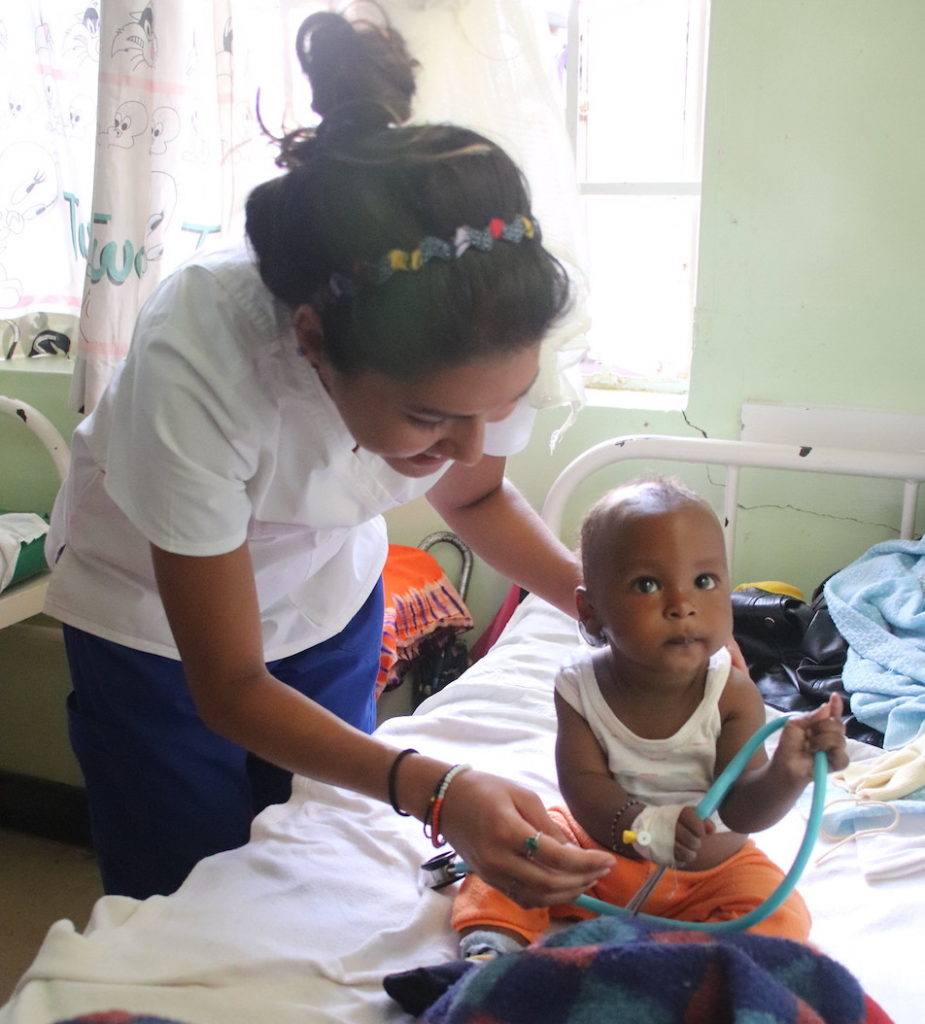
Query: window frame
{"x": 608, "y": 383}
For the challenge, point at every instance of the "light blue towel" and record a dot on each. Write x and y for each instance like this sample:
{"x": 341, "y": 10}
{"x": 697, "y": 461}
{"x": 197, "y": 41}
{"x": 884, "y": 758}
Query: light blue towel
{"x": 878, "y": 605}
{"x": 844, "y": 819}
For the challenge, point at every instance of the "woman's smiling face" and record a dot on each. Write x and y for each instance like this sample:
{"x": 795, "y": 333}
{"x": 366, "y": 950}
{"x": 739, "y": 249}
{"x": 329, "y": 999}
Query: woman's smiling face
{"x": 417, "y": 426}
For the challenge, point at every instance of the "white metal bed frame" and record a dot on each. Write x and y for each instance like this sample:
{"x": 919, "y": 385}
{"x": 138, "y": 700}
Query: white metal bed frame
{"x": 26, "y": 599}
{"x": 190, "y": 911}
{"x": 735, "y": 455}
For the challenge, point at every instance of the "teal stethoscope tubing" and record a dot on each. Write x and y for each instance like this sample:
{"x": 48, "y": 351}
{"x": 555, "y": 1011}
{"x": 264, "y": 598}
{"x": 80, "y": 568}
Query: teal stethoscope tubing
{"x": 711, "y": 800}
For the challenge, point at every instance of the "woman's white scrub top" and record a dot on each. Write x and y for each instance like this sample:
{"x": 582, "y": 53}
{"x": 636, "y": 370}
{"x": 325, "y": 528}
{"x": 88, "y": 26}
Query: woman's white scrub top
{"x": 214, "y": 431}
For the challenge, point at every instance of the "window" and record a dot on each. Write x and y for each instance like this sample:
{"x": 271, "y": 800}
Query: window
{"x": 632, "y": 75}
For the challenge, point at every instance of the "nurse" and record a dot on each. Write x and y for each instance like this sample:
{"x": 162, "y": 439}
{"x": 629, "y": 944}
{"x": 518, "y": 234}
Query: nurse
{"x": 218, "y": 544}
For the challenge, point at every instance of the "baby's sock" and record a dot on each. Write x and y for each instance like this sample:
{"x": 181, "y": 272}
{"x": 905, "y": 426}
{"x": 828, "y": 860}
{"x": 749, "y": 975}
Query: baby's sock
{"x": 486, "y": 945}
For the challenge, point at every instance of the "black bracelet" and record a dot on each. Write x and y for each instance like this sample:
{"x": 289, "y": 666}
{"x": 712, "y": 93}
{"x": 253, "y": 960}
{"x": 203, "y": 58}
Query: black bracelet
{"x": 614, "y": 844}
{"x": 393, "y": 772}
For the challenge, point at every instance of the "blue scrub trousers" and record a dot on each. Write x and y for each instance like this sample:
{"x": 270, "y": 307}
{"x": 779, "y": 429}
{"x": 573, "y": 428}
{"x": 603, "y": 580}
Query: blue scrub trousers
{"x": 165, "y": 791}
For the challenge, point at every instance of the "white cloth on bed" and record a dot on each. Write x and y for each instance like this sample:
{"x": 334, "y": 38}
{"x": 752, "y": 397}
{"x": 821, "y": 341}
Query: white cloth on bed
{"x": 16, "y": 529}
{"x": 300, "y": 925}
{"x": 893, "y": 775}
{"x": 896, "y": 854}
{"x": 889, "y": 835}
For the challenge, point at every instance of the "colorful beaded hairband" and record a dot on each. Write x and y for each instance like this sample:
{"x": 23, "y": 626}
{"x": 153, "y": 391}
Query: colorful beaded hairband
{"x": 432, "y": 248}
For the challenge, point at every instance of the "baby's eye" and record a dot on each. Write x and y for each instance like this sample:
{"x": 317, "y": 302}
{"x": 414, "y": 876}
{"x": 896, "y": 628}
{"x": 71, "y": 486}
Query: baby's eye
{"x": 705, "y": 581}
{"x": 646, "y": 585}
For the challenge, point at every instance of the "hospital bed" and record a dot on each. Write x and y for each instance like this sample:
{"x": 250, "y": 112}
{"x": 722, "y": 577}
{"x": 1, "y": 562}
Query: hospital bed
{"x": 301, "y": 925}
{"x": 24, "y": 599}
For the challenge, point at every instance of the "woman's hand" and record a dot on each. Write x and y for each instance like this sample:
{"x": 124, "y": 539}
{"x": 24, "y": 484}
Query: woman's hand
{"x": 804, "y": 735}
{"x": 489, "y": 820}
{"x": 738, "y": 658}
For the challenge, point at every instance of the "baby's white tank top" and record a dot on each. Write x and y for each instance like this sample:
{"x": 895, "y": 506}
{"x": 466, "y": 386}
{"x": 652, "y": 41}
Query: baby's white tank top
{"x": 676, "y": 770}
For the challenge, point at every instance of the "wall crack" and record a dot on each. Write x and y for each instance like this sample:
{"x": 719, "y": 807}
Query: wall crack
{"x": 819, "y": 515}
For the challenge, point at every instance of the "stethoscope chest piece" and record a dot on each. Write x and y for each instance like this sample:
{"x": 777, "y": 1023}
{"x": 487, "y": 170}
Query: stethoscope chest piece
{"x": 443, "y": 870}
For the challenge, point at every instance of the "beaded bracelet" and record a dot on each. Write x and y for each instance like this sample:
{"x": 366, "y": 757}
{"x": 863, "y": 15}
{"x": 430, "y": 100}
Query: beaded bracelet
{"x": 393, "y": 773}
{"x": 432, "y": 817}
{"x": 614, "y": 845}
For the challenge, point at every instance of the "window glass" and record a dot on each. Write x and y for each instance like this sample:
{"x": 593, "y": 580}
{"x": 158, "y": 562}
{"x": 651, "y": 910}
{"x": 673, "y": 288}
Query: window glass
{"x": 634, "y": 107}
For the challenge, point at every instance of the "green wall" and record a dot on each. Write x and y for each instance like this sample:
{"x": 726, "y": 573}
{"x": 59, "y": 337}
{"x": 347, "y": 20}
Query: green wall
{"x": 27, "y": 476}
{"x": 812, "y": 249}
{"x": 812, "y": 238}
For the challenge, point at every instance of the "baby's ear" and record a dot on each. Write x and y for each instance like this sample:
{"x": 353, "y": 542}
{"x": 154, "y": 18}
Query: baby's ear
{"x": 591, "y": 639}
{"x": 309, "y": 332}
{"x": 588, "y": 623}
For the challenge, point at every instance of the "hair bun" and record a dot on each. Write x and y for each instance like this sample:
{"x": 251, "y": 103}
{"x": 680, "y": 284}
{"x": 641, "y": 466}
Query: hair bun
{"x": 361, "y": 74}
{"x": 324, "y": 29}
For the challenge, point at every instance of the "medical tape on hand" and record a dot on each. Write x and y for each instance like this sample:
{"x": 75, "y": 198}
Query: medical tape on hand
{"x": 655, "y": 828}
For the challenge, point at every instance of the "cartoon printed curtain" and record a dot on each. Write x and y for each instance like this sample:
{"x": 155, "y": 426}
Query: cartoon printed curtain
{"x": 47, "y": 112}
{"x": 129, "y": 141}
{"x": 177, "y": 149}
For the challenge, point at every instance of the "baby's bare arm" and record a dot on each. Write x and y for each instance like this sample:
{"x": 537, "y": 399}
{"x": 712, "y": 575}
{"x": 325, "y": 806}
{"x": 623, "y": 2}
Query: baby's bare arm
{"x": 766, "y": 790}
{"x": 593, "y": 796}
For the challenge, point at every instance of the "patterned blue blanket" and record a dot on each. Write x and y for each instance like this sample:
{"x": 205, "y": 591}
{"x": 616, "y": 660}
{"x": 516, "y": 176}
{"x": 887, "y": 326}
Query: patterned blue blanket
{"x": 610, "y": 969}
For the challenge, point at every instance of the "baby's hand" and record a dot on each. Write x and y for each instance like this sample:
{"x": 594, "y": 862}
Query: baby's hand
{"x": 803, "y": 735}
{"x": 688, "y": 835}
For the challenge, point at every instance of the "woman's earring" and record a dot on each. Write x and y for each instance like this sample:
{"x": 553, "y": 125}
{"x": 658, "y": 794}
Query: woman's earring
{"x": 591, "y": 639}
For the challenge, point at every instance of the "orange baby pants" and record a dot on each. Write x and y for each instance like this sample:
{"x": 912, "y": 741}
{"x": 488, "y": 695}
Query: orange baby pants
{"x": 729, "y": 890}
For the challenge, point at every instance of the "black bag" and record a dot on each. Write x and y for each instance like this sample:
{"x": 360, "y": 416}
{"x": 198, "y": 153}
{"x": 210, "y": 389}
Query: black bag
{"x": 442, "y": 659}
{"x": 794, "y": 653}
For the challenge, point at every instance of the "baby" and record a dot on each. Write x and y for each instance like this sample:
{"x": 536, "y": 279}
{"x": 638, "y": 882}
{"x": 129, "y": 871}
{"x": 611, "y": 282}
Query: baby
{"x": 649, "y": 718}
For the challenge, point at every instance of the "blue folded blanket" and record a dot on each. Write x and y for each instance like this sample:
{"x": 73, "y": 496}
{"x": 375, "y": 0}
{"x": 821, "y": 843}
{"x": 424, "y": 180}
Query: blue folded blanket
{"x": 611, "y": 969}
{"x": 878, "y": 605}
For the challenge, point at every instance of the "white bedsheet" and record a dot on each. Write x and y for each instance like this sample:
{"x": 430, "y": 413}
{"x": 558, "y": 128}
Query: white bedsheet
{"x": 302, "y": 923}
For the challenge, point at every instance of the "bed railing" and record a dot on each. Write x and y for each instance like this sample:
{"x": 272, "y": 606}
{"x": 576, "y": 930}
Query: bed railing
{"x": 909, "y": 467}
{"x": 44, "y": 430}
{"x": 23, "y": 600}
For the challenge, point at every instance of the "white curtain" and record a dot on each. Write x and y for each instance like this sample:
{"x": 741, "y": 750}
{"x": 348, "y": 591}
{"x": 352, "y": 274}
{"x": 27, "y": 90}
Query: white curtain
{"x": 131, "y": 143}
{"x": 48, "y": 71}
{"x": 177, "y": 149}
{"x": 490, "y": 65}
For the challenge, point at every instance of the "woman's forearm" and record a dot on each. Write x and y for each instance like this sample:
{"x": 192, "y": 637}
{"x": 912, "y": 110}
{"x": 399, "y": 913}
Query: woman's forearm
{"x": 282, "y": 726}
{"x": 211, "y": 604}
{"x": 504, "y": 530}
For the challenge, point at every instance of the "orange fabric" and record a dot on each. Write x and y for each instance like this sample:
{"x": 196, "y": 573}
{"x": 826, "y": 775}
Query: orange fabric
{"x": 419, "y": 600}
{"x": 729, "y": 890}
